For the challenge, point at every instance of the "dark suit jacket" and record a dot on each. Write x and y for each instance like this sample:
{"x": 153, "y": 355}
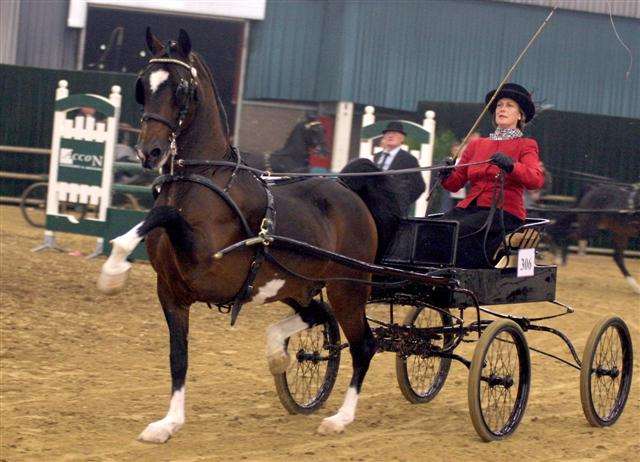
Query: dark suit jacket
{"x": 411, "y": 185}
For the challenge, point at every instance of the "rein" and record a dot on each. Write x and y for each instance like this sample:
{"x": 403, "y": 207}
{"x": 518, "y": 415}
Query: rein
{"x": 267, "y": 174}
{"x": 589, "y": 177}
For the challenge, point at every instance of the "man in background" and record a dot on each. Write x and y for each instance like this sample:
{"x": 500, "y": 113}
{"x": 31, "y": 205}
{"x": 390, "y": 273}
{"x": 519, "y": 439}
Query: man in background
{"x": 392, "y": 157}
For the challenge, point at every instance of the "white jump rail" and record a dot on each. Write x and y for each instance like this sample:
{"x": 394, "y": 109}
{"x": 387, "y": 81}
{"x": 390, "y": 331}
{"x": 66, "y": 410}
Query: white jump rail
{"x": 81, "y": 167}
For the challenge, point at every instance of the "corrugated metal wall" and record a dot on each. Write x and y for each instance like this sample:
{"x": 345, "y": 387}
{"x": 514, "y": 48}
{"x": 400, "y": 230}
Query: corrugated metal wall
{"x": 43, "y": 39}
{"x": 393, "y": 54}
{"x": 9, "y": 16}
{"x": 629, "y": 8}
{"x": 293, "y": 37}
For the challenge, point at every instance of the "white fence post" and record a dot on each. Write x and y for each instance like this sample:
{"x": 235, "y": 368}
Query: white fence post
{"x": 366, "y": 145}
{"x": 426, "y": 159}
{"x": 342, "y": 135}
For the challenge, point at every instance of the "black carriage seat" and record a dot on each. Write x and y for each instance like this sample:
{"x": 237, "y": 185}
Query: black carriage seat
{"x": 525, "y": 237}
{"x": 423, "y": 242}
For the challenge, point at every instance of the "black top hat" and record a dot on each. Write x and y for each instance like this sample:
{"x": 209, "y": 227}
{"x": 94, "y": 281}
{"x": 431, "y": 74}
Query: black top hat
{"x": 394, "y": 127}
{"x": 517, "y": 93}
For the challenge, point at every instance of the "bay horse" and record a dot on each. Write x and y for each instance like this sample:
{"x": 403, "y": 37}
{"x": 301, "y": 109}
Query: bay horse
{"x": 609, "y": 206}
{"x": 307, "y": 138}
{"x": 620, "y": 214}
{"x": 202, "y": 208}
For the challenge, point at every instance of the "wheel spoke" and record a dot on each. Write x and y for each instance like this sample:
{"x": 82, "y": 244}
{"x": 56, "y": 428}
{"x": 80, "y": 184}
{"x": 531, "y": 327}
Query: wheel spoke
{"x": 306, "y": 377}
{"x": 498, "y": 394}
{"x": 604, "y": 387}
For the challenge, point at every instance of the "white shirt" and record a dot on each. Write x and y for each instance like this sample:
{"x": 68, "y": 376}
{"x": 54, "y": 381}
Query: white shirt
{"x": 389, "y": 160}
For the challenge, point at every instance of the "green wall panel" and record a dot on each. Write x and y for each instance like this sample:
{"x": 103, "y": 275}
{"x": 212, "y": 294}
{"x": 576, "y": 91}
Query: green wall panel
{"x": 26, "y": 113}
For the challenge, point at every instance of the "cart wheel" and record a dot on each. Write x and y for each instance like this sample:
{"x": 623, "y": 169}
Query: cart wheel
{"x": 605, "y": 377}
{"x": 421, "y": 377}
{"x": 315, "y": 358}
{"x": 33, "y": 204}
{"x": 499, "y": 380}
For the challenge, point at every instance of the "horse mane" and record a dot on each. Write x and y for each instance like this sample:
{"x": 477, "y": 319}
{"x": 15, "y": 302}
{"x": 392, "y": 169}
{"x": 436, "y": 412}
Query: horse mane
{"x": 200, "y": 62}
{"x": 294, "y": 144}
{"x": 222, "y": 112}
{"x": 380, "y": 194}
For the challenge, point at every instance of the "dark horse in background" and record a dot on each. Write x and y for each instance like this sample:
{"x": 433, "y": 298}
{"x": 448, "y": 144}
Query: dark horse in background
{"x": 194, "y": 217}
{"x": 307, "y": 138}
{"x": 609, "y": 206}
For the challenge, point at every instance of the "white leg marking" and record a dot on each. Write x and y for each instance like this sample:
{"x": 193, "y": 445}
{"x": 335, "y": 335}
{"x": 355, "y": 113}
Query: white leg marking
{"x": 582, "y": 247}
{"x": 337, "y": 423}
{"x": 277, "y": 356}
{"x": 115, "y": 269}
{"x": 161, "y": 430}
{"x": 633, "y": 283}
{"x": 269, "y": 290}
{"x": 156, "y": 79}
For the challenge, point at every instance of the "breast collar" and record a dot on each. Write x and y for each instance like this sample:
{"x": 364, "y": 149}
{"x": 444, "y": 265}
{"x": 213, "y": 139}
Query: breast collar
{"x": 267, "y": 228}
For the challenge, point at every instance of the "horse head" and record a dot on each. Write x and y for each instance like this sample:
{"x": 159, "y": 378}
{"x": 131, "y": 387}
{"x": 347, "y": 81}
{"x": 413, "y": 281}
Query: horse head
{"x": 172, "y": 88}
{"x": 314, "y": 136}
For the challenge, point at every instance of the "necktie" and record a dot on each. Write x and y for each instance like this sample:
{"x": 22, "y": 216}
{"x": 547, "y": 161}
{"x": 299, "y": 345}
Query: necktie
{"x": 383, "y": 159}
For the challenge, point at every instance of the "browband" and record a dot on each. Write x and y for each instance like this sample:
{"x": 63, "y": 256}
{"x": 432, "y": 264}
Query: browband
{"x": 192, "y": 69}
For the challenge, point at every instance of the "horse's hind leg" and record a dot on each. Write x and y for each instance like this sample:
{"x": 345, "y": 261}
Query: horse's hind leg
{"x": 620, "y": 242}
{"x": 177, "y": 317}
{"x": 305, "y": 317}
{"x": 348, "y": 302}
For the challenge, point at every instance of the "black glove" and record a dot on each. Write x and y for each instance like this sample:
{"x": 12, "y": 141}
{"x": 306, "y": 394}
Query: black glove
{"x": 503, "y": 161}
{"x": 445, "y": 172}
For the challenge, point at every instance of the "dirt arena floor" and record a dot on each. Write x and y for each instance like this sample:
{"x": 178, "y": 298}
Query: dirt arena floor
{"x": 82, "y": 374}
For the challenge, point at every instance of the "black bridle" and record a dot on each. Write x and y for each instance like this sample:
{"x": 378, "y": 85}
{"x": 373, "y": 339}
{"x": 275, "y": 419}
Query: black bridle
{"x": 185, "y": 94}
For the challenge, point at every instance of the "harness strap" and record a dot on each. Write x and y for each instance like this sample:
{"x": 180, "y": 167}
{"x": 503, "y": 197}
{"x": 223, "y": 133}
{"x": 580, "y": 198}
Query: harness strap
{"x": 207, "y": 183}
{"x": 266, "y": 228}
{"x": 153, "y": 116}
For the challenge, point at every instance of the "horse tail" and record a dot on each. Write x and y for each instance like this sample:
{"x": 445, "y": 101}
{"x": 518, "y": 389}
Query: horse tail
{"x": 380, "y": 194}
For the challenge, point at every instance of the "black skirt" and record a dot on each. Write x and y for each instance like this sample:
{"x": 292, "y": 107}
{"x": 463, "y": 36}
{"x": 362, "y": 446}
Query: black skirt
{"x": 472, "y": 231}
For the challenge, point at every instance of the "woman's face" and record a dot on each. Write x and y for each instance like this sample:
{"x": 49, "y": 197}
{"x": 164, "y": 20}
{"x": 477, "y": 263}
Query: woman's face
{"x": 507, "y": 113}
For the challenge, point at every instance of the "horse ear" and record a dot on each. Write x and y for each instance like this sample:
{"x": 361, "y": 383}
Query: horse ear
{"x": 184, "y": 43}
{"x": 154, "y": 45}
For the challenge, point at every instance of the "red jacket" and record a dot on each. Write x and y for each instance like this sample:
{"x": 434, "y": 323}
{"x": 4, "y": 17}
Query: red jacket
{"x": 526, "y": 173}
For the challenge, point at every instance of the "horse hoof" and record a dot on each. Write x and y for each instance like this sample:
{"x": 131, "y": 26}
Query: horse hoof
{"x": 331, "y": 426}
{"x": 155, "y": 433}
{"x": 278, "y": 362}
{"x": 633, "y": 283}
{"x": 112, "y": 283}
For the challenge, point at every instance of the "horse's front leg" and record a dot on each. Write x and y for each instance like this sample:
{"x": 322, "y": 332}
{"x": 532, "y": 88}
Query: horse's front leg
{"x": 177, "y": 317}
{"x": 116, "y": 269}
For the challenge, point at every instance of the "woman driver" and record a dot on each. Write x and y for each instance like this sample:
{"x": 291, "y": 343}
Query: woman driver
{"x": 509, "y": 152}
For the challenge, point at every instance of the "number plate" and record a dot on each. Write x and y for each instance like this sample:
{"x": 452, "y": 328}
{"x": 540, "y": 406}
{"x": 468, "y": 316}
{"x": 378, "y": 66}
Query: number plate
{"x": 526, "y": 262}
